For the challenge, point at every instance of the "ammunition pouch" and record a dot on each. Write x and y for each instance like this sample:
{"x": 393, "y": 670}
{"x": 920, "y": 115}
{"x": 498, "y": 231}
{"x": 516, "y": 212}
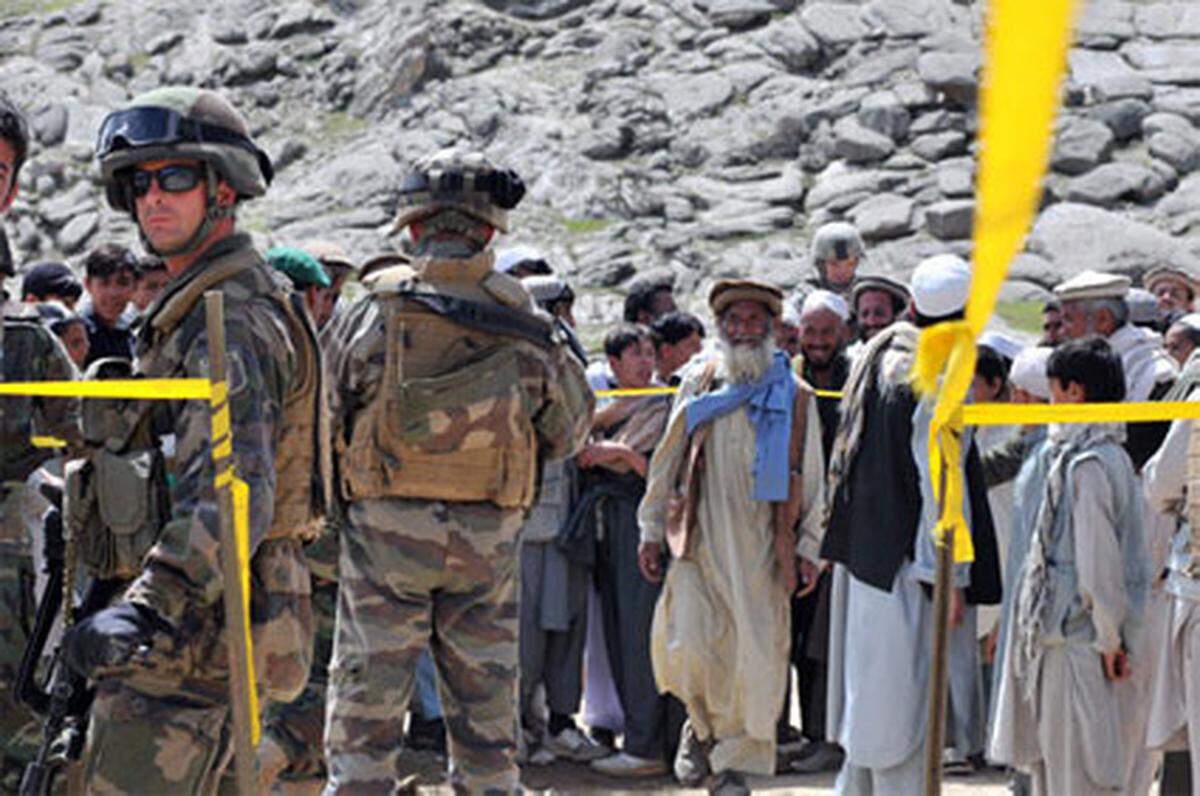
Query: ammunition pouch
{"x": 115, "y": 505}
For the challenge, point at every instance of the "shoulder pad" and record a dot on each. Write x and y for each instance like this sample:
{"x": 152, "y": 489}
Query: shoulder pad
{"x": 507, "y": 290}
{"x": 391, "y": 279}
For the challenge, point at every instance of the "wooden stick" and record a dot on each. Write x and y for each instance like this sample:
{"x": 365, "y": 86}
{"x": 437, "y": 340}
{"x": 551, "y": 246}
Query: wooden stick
{"x": 935, "y": 724}
{"x": 236, "y": 630}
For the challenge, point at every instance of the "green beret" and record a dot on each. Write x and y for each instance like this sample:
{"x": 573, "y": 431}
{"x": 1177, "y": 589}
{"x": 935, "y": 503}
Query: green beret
{"x": 302, "y": 268}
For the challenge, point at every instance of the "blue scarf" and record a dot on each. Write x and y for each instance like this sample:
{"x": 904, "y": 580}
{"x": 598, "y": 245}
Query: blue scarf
{"x": 769, "y": 404}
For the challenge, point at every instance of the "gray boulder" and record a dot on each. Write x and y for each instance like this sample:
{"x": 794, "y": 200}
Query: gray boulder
{"x": 954, "y": 74}
{"x": 1123, "y": 117}
{"x": 884, "y": 113}
{"x": 936, "y": 146}
{"x": 1081, "y": 145}
{"x": 1114, "y": 183}
{"x": 951, "y": 219}
{"x": 858, "y": 144}
{"x": 884, "y": 216}
{"x": 1181, "y": 152}
{"x": 739, "y": 14}
{"x": 835, "y": 25}
{"x": 77, "y": 232}
{"x": 1066, "y": 234}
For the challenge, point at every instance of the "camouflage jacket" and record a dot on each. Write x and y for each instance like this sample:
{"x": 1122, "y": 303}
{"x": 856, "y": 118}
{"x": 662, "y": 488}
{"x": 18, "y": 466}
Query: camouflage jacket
{"x": 558, "y": 399}
{"x": 182, "y": 571}
{"x": 31, "y": 353}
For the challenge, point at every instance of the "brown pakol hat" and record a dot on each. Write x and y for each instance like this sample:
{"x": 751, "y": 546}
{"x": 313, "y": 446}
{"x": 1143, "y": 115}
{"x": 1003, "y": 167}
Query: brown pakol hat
{"x": 727, "y": 291}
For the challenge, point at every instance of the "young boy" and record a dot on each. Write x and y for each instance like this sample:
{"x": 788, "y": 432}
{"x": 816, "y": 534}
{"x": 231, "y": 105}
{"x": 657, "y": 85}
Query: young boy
{"x": 1074, "y": 612}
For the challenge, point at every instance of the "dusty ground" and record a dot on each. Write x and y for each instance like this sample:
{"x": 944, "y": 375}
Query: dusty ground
{"x": 568, "y": 778}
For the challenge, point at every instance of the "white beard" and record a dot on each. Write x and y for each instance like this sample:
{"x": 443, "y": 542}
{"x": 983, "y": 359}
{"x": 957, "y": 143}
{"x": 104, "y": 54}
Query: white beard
{"x": 746, "y": 364}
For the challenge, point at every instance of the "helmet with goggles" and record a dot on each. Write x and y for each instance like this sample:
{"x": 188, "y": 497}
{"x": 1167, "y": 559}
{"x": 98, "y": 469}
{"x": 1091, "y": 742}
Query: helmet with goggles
{"x": 458, "y": 180}
{"x": 180, "y": 122}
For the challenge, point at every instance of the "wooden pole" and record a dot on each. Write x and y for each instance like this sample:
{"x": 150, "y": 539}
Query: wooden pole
{"x": 235, "y": 596}
{"x": 935, "y": 724}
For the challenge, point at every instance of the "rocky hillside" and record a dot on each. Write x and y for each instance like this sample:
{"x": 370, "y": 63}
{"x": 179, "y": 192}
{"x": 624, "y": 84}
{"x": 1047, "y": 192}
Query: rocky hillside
{"x": 710, "y": 137}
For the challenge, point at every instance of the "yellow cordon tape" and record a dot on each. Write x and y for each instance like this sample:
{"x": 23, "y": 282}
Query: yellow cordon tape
{"x": 144, "y": 389}
{"x": 222, "y": 451}
{"x": 631, "y": 392}
{"x": 1026, "y": 53}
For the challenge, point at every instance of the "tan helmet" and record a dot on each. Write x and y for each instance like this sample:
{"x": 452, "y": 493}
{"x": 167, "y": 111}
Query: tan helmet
{"x": 181, "y": 121}
{"x": 457, "y": 179}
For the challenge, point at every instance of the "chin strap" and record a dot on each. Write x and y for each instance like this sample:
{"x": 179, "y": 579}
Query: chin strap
{"x": 213, "y": 213}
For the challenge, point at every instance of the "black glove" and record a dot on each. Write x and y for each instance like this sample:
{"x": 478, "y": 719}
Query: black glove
{"x": 54, "y": 548}
{"x": 112, "y": 637}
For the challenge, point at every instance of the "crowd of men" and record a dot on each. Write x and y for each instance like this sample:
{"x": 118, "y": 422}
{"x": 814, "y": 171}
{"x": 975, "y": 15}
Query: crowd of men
{"x": 466, "y": 538}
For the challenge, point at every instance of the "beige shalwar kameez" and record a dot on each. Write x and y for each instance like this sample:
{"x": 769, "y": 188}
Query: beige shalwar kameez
{"x": 721, "y": 629}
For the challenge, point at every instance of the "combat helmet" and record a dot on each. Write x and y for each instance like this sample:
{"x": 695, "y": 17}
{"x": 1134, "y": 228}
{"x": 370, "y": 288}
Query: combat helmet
{"x": 457, "y": 179}
{"x": 182, "y": 122}
{"x": 836, "y": 240}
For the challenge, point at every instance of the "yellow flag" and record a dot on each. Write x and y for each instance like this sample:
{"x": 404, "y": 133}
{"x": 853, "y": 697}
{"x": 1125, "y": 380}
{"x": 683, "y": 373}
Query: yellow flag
{"x": 1026, "y": 51}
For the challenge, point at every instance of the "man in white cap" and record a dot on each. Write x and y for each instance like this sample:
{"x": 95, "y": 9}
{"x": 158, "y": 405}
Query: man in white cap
{"x": 1094, "y": 303}
{"x": 879, "y": 534}
{"x": 737, "y": 476}
{"x": 824, "y": 325}
{"x": 1175, "y": 288}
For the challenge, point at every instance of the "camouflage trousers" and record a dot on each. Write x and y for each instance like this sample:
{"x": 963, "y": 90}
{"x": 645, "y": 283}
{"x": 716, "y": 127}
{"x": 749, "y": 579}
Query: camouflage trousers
{"x": 143, "y": 743}
{"x": 19, "y": 728}
{"x": 292, "y": 732}
{"x": 417, "y": 574}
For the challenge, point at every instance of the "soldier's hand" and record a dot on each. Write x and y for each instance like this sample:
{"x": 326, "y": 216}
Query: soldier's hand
{"x": 111, "y": 637}
{"x": 650, "y": 561}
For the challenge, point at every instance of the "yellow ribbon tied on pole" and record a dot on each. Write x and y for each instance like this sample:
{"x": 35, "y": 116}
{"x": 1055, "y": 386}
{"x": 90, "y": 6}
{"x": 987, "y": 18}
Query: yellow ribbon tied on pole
{"x": 1025, "y": 58}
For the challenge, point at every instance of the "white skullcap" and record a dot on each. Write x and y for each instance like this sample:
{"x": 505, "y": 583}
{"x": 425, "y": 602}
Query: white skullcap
{"x": 1191, "y": 321}
{"x": 825, "y": 300}
{"x": 1002, "y": 344}
{"x": 940, "y": 285}
{"x": 1029, "y": 371}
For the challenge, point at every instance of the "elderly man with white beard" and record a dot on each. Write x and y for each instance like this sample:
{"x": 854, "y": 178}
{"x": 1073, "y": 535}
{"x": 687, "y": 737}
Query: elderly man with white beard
{"x": 738, "y": 476}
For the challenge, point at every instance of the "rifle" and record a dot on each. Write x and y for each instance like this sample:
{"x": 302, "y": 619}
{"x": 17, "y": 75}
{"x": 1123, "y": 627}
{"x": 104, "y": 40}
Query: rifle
{"x": 63, "y": 699}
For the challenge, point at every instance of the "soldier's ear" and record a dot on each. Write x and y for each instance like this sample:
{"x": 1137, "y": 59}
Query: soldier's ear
{"x": 226, "y": 196}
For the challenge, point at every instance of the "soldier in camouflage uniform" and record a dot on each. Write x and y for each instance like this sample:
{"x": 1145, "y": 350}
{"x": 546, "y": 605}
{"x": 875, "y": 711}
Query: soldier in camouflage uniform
{"x": 27, "y": 353}
{"x": 179, "y": 160}
{"x": 449, "y": 390}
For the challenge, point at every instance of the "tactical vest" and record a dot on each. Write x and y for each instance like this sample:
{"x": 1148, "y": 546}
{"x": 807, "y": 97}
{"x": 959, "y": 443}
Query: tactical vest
{"x": 303, "y": 458}
{"x": 451, "y": 419}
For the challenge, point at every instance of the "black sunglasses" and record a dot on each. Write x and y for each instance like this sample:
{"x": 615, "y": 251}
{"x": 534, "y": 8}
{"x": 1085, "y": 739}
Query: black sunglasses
{"x": 171, "y": 179}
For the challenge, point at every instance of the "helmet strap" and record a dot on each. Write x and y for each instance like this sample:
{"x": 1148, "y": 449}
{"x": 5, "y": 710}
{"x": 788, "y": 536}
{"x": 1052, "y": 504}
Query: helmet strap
{"x": 213, "y": 212}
